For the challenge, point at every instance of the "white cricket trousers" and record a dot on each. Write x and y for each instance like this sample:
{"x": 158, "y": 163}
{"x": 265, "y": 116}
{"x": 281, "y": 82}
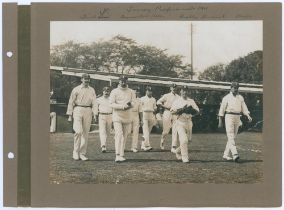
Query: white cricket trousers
{"x": 122, "y": 131}
{"x": 147, "y": 128}
{"x": 105, "y": 123}
{"x": 169, "y": 121}
{"x": 232, "y": 123}
{"x": 184, "y": 130}
{"x": 82, "y": 117}
{"x": 135, "y": 130}
{"x": 52, "y": 122}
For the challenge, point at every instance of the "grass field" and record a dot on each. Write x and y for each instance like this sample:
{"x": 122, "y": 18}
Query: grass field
{"x": 206, "y": 163}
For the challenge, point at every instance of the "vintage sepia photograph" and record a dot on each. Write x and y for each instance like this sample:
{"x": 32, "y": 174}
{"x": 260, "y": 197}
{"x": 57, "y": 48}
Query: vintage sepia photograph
{"x": 156, "y": 102}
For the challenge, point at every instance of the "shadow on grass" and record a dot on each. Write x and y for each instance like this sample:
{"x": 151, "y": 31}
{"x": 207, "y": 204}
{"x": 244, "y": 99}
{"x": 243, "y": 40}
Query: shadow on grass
{"x": 199, "y": 150}
{"x": 242, "y": 161}
{"x": 132, "y": 160}
{"x": 153, "y": 150}
{"x": 139, "y": 151}
{"x": 226, "y": 161}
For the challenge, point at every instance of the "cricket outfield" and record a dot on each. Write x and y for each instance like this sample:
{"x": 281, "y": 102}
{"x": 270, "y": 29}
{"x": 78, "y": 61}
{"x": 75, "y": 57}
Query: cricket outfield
{"x": 157, "y": 166}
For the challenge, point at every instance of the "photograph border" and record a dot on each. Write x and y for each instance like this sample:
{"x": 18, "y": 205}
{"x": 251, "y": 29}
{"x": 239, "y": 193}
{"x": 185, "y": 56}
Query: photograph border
{"x": 44, "y": 194}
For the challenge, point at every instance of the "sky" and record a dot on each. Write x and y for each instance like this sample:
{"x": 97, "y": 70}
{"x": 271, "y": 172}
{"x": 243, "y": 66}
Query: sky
{"x": 213, "y": 41}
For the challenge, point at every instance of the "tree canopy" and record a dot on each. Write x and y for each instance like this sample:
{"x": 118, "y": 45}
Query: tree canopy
{"x": 247, "y": 69}
{"x": 121, "y": 55}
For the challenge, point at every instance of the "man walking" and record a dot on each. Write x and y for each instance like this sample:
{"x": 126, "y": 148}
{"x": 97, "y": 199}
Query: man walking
{"x": 81, "y": 106}
{"x": 104, "y": 110}
{"x": 166, "y": 102}
{"x": 136, "y": 119}
{"x": 121, "y": 100}
{"x": 148, "y": 108}
{"x": 52, "y": 112}
{"x": 232, "y": 107}
{"x": 184, "y": 108}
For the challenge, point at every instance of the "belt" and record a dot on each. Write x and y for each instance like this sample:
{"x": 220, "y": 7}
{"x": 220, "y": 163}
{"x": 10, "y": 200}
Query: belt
{"x": 105, "y": 113}
{"x": 83, "y": 106}
{"x": 233, "y": 113}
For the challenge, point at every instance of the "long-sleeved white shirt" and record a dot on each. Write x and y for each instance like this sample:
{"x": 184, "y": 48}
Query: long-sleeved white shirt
{"x": 180, "y": 103}
{"x": 137, "y": 105}
{"x": 103, "y": 105}
{"x": 148, "y": 107}
{"x": 235, "y": 104}
{"x": 82, "y": 96}
{"x": 168, "y": 99}
{"x": 119, "y": 98}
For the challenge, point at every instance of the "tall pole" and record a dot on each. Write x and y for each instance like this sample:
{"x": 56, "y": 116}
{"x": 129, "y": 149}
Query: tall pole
{"x": 191, "y": 49}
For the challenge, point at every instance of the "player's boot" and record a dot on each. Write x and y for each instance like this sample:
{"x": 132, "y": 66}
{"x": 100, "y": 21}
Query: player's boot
{"x": 83, "y": 157}
{"x": 162, "y": 145}
{"x": 76, "y": 156}
{"x": 143, "y": 146}
{"x": 103, "y": 149}
{"x": 173, "y": 150}
{"x": 185, "y": 161}
{"x": 118, "y": 158}
{"x": 178, "y": 156}
{"x": 134, "y": 150}
{"x": 237, "y": 159}
{"x": 225, "y": 157}
{"x": 147, "y": 148}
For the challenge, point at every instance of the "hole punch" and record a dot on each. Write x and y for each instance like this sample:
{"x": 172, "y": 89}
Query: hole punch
{"x": 9, "y": 54}
{"x": 11, "y": 155}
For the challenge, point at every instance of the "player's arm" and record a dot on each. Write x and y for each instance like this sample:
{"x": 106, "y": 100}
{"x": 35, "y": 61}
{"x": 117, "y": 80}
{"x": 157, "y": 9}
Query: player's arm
{"x": 220, "y": 121}
{"x": 132, "y": 99}
{"x": 222, "y": 112}
{"x": 245, "y": 110}
{"x": 194, "y": 108}
{"x": 161, "y": 102}
{"x": 140, "y": 113}
{"x": 154, "y": 105}
{"x": 95, "y": 105}
{"x": 173, "y": 109}
{"x": 176, "y": 109}
{"x": 71, "y": 104}
{"x": 141, "y": 118}
{"x": 96, "y": 110}
{"x": 130, "y": 103}
{"x": 115, "y": 105}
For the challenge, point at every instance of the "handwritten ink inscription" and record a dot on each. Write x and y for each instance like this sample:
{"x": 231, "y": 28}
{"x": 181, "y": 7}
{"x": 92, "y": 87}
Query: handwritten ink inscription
{"x": 158, "y": 12}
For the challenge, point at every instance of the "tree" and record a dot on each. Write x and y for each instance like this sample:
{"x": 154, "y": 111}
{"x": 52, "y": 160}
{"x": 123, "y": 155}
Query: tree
{"x": 154, "y": 61}
{"x": 119, "y": 54}
{"x": 215, "y": 73}
{"x": 121, "y": 57}
{"x": 247, "y": 69}
{"x": 186, "y": 72}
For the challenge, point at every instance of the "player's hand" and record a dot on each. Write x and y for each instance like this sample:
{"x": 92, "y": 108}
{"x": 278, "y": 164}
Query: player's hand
{"x": 173, "y": 111}
{"x": 163, "y": 106}
{"x": 249, "y": 118}
{"x": 126, "y": 107}
{"x": 70, "y": 118}
{"x": 95, "y": 119}
{"x": 220, "y": 124}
